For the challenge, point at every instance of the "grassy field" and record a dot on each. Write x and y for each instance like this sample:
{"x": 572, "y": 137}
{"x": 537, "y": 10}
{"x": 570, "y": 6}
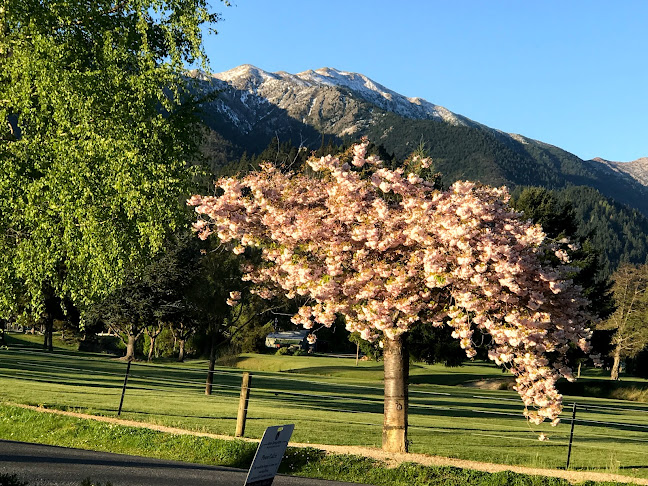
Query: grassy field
{"x": 331, "y": 401}
{"x": 36, "y": 341}
{"x": 306, "y": 462}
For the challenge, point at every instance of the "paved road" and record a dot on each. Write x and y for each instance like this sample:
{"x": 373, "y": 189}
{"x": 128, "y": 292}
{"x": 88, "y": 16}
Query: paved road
{"x": 42, "y": 465}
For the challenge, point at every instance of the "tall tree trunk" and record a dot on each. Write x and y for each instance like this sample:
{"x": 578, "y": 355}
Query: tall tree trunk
{"x": 212, "y": 364}
{"x": 130, "y": 347}
{"x": 48, "y": 331}
{"x": 181, "y": 349}
{"x": 45, "y": 337}
{"x": 616, "y": 364}
{"x": 396, "y": 363}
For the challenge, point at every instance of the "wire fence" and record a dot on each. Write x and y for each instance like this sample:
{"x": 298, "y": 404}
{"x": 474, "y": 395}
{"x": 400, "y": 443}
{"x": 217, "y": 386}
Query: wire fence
{"x": 604, "y": 434}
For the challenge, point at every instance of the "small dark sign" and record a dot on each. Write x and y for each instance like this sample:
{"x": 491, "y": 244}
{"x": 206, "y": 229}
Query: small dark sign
{"x": 269, "y": 455}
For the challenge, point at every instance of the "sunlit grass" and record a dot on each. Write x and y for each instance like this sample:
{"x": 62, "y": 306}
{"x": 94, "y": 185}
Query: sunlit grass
{"x": 20, "y": 424}
{"x": 331, "y": 401}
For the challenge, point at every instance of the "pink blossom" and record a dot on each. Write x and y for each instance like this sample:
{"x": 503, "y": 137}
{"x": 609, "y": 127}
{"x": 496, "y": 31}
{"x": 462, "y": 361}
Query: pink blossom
{"x": 234, "y": 298}
{"x": 387, "y": 263}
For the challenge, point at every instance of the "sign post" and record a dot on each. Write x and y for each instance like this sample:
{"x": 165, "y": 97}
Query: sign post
{"x": 269, "y": 455}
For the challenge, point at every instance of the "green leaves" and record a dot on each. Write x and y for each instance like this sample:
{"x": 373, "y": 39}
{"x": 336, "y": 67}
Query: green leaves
{"x": 93, "y": 178}
{"x": 630, "y": 320}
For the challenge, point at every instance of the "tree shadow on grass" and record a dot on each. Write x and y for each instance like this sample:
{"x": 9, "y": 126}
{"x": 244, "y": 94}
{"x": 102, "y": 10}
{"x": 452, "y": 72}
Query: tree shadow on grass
{"x": 180, "y": 415}
{"x": 336, "y": 370}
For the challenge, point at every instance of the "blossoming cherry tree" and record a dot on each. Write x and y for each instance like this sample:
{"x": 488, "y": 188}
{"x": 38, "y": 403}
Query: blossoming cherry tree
{"x": 387, "y": 250}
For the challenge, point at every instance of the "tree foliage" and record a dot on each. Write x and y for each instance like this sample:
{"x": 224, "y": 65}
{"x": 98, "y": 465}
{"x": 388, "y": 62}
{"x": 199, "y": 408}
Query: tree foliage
{"x": 630, "y": 320}
{"x": 617, "y": 231}
{"x": 95, "y": 139}
{"x": 158, "y": 294}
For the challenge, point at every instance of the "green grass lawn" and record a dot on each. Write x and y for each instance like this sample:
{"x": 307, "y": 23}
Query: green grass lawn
{"x": 36, "y": 341}
{"x": 594, "y": 380}
{"x": 345, "y": 368}
{"x": 332, "y": 401}
{"x": 20, "y": 424}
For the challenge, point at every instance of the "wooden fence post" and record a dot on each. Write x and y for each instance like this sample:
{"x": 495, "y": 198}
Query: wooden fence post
{"x": 243, "y": 405}
{"x": 571, "y": 435}
{"x": 121, "y": 402}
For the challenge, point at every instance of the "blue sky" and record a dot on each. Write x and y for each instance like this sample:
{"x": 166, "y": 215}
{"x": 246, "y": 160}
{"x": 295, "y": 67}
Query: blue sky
{"x": 572, "y": 73}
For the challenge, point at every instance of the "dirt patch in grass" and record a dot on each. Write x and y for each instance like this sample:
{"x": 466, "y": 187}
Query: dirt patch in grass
{"x": 392, "y": 459}
{"x": 491, "y": 384}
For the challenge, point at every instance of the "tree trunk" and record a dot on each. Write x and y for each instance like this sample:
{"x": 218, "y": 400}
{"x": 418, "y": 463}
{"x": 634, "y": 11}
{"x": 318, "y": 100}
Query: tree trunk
{"x": 616, "y": 364}
{"x": 580, "y": 364}
{"x": 152, "y": 346}
{"x": 181, "y": 349}
{"x": 396, "y": 363}
{"x": 130, "y": 347}
{"x": 212, "y": 364}
{"x": 48, "y": 331}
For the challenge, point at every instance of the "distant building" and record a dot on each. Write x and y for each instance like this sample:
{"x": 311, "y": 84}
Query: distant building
{"x": 287, "y": 339}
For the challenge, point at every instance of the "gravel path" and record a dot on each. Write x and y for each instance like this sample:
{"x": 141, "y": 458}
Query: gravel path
{"x": 389, "y": 457}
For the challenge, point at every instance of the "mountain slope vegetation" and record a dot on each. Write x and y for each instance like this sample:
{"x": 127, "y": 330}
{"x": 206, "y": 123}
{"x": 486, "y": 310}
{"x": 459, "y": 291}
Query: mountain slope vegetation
{"x": 259, "y": 115}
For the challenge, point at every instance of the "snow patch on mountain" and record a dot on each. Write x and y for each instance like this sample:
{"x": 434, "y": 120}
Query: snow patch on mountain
{"x": 380, "y": 95}
{"x": 516, "y": 136}
{"x": 637, "y": 169}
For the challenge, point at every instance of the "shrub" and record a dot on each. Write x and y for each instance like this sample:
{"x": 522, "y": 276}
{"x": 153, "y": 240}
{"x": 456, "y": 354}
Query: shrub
{"x": 11, "y": 480}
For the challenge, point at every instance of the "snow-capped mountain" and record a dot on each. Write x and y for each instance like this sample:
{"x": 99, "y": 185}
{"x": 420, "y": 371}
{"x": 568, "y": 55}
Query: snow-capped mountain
{"x": 284, "y": 89}
{"x": 254, "y": 107}
{"x": 332, "y": 101}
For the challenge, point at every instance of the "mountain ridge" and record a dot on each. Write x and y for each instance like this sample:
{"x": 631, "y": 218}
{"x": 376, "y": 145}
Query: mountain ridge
{"x": 255, "y": 106}
{"x": 258, "y": 115}
{"x": 637, "y": 169}
{"x": 248, "y": 76}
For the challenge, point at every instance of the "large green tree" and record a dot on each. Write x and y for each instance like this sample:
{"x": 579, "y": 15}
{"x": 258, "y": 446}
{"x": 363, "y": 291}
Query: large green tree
{"x": 559, "y": 222}
{"x": 96, "y": 140}
{"x": 630, "y": 320}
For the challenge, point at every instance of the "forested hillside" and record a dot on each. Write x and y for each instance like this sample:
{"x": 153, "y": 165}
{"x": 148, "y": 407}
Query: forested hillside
{"x": 476, "y": 153}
